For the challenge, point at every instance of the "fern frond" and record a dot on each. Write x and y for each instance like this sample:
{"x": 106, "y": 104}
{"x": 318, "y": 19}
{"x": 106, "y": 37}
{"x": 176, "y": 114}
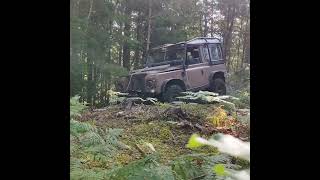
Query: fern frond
{"x": 112, "y": 136}
{"x": 146, "y": 168}
{"x": 77, "y": 127}
{"x": 91, "y": 138}
{"x": 87, "y": 174}
{"x": 199, "y": 165}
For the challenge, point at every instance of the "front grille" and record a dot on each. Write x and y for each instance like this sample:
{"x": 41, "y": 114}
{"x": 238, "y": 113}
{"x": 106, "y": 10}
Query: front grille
{"x": 138, "y": 82}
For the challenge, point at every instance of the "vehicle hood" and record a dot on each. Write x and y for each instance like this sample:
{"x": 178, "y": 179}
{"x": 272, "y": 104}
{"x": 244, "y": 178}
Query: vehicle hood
{"x": 157, "y": 69}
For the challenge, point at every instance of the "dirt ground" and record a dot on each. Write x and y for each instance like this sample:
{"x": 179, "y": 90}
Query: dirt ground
{"x": 165, "y": 126}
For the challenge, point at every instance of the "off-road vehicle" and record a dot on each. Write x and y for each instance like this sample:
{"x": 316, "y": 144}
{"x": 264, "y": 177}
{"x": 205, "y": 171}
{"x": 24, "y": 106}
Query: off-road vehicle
{"x": 193, "y": 65}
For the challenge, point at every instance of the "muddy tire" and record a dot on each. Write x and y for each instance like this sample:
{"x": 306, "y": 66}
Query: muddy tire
{"x": 171, "y": 92}
{"x": 218, "y": 86}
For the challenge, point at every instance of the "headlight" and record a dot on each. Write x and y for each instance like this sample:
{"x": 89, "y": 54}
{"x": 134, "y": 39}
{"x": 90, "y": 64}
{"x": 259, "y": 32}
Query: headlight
{"x": 151, "y": 83}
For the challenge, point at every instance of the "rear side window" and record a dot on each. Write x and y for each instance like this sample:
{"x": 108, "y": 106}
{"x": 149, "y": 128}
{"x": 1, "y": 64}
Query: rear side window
{"x": 215, "y": 52}
{"x": 193, "y": 55}
{"x": 205, "y": 54}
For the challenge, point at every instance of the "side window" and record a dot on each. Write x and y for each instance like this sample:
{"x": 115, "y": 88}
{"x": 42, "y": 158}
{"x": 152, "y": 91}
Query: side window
{"x": 193, "y": 55}
{"x": 205, "y": 53}
{"x": 215, "y": 52}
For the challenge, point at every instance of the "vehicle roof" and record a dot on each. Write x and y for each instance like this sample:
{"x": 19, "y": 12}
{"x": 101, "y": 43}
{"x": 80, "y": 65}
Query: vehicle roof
{"x": 197, "y": 40}
{"x": 202, "y": 40}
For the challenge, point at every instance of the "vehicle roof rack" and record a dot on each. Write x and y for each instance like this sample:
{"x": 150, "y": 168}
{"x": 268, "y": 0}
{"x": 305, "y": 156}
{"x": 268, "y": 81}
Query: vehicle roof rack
{"x": 197, "y": 40}
{"x": 162, "y": 46}
{"x": 203, "y": 39}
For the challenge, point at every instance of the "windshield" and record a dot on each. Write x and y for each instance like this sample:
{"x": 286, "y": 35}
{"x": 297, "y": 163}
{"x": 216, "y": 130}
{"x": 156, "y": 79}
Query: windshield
{"x": 156, "y": 56}
{"x": 171, "y": 54}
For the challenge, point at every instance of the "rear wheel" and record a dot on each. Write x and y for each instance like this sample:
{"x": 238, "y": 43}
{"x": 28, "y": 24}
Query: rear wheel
{"x": 218, "y": 86}
{"x": 171, "y": 92}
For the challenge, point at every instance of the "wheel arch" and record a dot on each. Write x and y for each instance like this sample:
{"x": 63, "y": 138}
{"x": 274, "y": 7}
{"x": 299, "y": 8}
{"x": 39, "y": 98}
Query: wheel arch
{"x": 215, "y": 75}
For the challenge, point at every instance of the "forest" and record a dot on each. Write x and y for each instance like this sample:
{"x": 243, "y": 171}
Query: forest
{"x": 108, "y": 38}
{"x": 203, "y": 135}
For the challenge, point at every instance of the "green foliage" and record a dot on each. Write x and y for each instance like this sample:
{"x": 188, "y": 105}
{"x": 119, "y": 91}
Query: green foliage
{"x": 244, "y": 99}
{"x": 146, "y": 168}
{"x": 219, "y": 170}
{"x": 184, "y": 167}
{"x": 75, "y": 106}
{"x": 77, "y": 128}
{"x": 199, "y": 165}
{"x": 94, "y": 150}
{"x": 105, "y": 143}
{"x": 226, "y": 144}
{"x": 78, "y": 171}
{"x": 242, "y": 163}
{"x": 219, "y": 117}
{"x": 193, "y": 142}
{"x": 102, "y": 146}
{"x": 206, "y": 97}
{"x": 188, "y": 167}
{"x": 91, "y": 139}
{"x": 238, "y": 84}
{"x": 116, "y": 97}
{"x": 200, "y": 93}
{"x": 90, "y": 145}
{"x": 115, "y": 70}
{"x": 200, "y": 110}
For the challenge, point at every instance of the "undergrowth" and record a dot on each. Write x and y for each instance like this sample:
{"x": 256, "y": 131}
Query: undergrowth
{"x": 111, "y": 153}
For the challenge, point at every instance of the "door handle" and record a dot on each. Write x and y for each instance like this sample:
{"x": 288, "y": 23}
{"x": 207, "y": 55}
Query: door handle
{"x": 202, "y": 71}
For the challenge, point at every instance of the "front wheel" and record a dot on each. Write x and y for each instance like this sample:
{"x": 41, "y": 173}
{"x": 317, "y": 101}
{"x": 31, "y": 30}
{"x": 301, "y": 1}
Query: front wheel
{"x": 218, "y": 86}
{"x": 171, "y": 92}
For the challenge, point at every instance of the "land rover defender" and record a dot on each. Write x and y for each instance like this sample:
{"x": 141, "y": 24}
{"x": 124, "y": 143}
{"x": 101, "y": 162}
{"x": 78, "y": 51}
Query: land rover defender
{"x": 193, "y": 65}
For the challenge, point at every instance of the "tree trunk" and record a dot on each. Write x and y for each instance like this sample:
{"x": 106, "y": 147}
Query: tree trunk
{"x": 144, "y": 40}
{"x": 89, "y": 63}
{"x": 90, "y": 81}
{"x": 211, "y": 27}
{"x": 240, "y": 36}
{"x": 109, "y": 44}
{"x": 95, "y": 83}
{"x": 126, "y": 54}
{"x": 137, "y": 61}
{"x": 211, "y": 19}
{"x": 107, "y": 94}
{"x": 120, "y": 55}
{"x": 245, "y": 45}
{"x": 228, "y": 34}
{"x": 149, "y": 28}
{"x": 200, "y": 24}
{"x": 126, "y": 49}
{"x": 102, "y": 89}
{"x": 205, "y": 32}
